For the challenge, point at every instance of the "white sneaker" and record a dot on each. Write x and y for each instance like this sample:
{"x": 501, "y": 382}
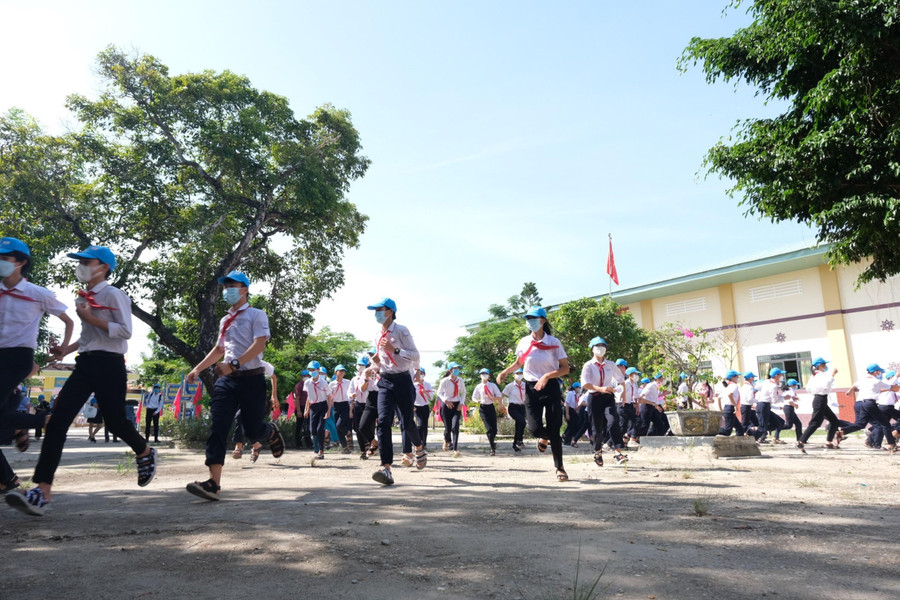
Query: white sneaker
{"x": 457, "y": 454}
{"x": 406, "y": 462}
{"x": 31, "y": 502}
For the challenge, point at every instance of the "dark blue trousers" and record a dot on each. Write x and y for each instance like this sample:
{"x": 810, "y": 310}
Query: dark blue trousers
{"x": 730, "y": 421}
{"x": 396, "y": 394}
{"x": 230, "y": 394}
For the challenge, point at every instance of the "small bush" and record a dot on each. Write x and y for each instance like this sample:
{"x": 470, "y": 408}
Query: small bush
{"x": 701, "y": 507}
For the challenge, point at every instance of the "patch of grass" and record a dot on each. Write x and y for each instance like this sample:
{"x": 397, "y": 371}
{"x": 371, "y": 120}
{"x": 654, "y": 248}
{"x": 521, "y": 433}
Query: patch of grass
{"x": 809, "y": 482}
{"x": 126, "y": 465}
{"x": 701, "y": 507}
{"x": 580, "y": 590}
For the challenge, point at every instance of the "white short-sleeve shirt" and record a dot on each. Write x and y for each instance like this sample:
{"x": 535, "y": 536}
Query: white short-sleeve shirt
{"x": 20, "y": 319}
{"x": 540, "y": 362}
{"x": 251, "y": 323}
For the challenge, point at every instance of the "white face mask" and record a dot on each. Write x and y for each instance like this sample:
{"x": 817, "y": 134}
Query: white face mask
{"x": 84, "y": 273}
{"x": 485, "y": 377}
{"x": 518, "y": 376}
{"x": 534, "y": 325}
{"x": 599, "y": 351}
{"x": 6, "y": 268}
{"x": 635, "y": 378}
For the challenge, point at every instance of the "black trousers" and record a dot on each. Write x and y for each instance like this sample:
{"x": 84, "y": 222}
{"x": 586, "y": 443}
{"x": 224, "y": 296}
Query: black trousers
{"x": 230, "y": 394}
{"x": 396, "y": 394}
{"x": 15, "y": 366}
{"x": 543, "y": 413}
{"x": 605, "y": 418}
{"x": 584, "y": 415}
{"x": 104, "y": 375}
{"x": 488, "y": 413}
{"x": 763, "y": 410}
{"x": 871, "y": 414}
{"x": 573, "y": 424}
{"x": 152, "y": 418}
{"x": 358, "y": 409}
{"x": 730, "y": 421}
{"x": 369, "y": 419}
{"x": 301, "y": 430}
{"x": 820, "y": 412}
{"x": 791, "y": 420}
{"x": 451, "y": 416}
{"x": 880, "y": 433}
{"x": 748, "y": 416}
{"x": 628, "y": 422}
{"x": 317, "y": 424}
{"x": 517, "y": 414}
{"x": 341, "y": 413}
{"x": 422, "y": 413}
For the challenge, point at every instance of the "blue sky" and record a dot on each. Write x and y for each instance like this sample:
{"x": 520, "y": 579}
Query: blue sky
{"x": 507, "y": 138}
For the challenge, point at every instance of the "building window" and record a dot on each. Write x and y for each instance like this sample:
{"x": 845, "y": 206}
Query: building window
{"x": 776, "y": 290}
{"x": 685, "y": 306}
{"x": 796, "y": 365}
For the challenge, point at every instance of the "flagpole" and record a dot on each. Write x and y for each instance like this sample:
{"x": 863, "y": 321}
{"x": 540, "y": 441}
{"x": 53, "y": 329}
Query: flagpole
{"x": 607, "y": 262}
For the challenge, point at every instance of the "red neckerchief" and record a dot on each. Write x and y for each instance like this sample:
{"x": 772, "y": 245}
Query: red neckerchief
{"x": 12, "y": 293}
{"x": 535, "y": 344}
{"x": 89, "y": 297}
{"x": 384, "y": 335}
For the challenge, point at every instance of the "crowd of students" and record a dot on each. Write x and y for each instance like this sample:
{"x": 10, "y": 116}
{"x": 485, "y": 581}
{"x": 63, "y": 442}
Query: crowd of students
{"x": 612, "y": 403}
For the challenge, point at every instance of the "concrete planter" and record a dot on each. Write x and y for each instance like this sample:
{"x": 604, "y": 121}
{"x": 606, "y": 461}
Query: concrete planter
{"x": 694, "y": 422}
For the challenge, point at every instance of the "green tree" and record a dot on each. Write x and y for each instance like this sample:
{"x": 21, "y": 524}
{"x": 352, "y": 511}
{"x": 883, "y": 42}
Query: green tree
{"x": 188, "y": 177}
{"x": 831, "y": 160}
{"x": 577, "y": 322}
{"x": 491, "y": 346}
{"x": 517, "y": 305}
{"x": 673, "y": 349}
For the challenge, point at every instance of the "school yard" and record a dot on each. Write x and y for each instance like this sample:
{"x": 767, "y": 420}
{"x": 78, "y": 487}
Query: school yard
{"x": 675, "y": 524}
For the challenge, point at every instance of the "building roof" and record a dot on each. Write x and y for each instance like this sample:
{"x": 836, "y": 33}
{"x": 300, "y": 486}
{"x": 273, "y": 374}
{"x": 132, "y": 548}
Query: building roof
{"x": 766, "y": 266}
{"x": 755, "y": 268}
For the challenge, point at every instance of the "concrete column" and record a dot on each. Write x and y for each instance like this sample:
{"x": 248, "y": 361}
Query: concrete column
{"x": 834, "y": 324}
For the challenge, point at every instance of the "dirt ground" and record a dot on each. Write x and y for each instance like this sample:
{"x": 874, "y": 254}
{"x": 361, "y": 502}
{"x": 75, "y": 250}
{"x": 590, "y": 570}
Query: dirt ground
{"x": 815, "y": 527}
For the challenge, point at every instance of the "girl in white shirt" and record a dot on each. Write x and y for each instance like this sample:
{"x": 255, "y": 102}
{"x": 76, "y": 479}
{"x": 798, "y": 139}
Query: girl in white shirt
{"x": 543, "y": 361}
{"x": 515, "y": 410}
{"x": 727, "y": 396}
{"x": 791, "y": 420}
{"x": 422, "y": 406}
{"x": 487, "y": 395}
{"x": 452, "y": 392}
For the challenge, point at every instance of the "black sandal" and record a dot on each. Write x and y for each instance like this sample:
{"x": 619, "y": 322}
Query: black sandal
{"x": 208, "y": 490}
{"x": 22, "y": 442}
{"x": 276, "y": 442}
{"x": 421, "y": 458}
{"x": 561, "y": 475}
{"x": 542, "y": 446}
{"x": 10, "y": 485}
{"x": 598, "y": 459}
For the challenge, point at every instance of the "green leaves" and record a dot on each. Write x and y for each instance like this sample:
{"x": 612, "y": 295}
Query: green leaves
{"x": 837, "y": 63}
{"x": 188, "y": 177}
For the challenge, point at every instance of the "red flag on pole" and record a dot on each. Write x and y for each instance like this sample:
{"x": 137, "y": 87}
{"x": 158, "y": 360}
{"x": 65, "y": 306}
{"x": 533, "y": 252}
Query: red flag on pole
{"x": 611, "y": 264}
{"x": 197, "y": 393}
{"x": 292, "y": 405}
{"x": 176, "y": 406}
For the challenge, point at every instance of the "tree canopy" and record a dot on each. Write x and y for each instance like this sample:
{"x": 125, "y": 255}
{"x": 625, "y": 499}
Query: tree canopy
{"x": 576, "y": 323}
{"x": 831, "y": 160}
{"x": 187, "y": 177}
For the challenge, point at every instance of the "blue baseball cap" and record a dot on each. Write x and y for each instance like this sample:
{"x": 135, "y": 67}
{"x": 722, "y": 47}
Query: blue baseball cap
{"x": 793, "y": 382}
{"x": 536, "y": 311}
{"x": 632, "y": 371}
{"x": 384, "y": 303}
{"x": 621, "y": 362}
{"x": 452, "y": 365}
{"x": 576, "y": 384}
{"x": 597, "y": 341}
{"x": 313, "y": 365}
{"x": 304, "y": 372}
{"x": 775, "y": 371}
{"x": 645, "y": 380}
{"x": 101, "y": 253}
{"x": 749, "y": 375}
{"x": 373, "y": 351}
{"x": 11, "y": 244}
{"x": 819, "y": 361}
{"x": 340, "y": 368}
{"x": 658, "y": 376}
{"x": 484, "y": 372}
{"x": 730, "y": 374}
{"x": 363, "y": 360}
{"x": 683, "y": 375}
{"x": 422, "y": 370}
{"x": 323, "y": 370}
{"x": 519, "y": 370}
{"x": 890, "y": 374}
{"x": 235, "y": 276}
{"x": 873, "y": 368}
